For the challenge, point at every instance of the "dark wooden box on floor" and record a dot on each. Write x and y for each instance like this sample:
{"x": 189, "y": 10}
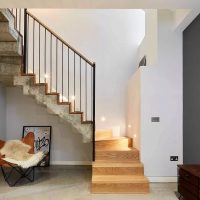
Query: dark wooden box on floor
{"x": 189, "y": 182}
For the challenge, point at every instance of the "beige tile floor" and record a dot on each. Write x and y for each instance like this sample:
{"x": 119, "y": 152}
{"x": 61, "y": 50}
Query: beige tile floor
{"x": 73, "y": 183}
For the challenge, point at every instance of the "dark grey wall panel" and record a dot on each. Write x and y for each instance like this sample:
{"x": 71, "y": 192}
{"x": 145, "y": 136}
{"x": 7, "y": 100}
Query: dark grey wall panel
{"x": 191, "y": 93}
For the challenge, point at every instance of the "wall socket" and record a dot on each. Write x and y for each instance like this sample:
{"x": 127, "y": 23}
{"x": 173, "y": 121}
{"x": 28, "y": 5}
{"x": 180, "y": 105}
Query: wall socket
{"x": 155, "y": 119}
{"x": 173, "y": 158}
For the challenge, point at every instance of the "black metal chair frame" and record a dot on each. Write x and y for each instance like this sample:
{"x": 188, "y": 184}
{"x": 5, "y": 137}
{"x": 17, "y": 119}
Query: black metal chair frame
{"x": 24, "y": 173}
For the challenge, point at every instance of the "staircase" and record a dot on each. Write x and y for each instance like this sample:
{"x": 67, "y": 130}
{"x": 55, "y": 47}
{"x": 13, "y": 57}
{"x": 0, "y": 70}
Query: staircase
{"x": 117, "y": 168}
{"x": 60, "y": 78}
{"x": 21, "y": 68}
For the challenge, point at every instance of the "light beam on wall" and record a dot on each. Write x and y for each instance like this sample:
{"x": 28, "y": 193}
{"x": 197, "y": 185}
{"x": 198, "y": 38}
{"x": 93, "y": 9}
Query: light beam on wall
{"x": 103, "y": 119}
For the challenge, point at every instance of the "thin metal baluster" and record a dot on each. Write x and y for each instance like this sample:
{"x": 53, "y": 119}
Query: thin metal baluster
{"x": 16, "y": 18}
{"x": 39, "y": 53}
{"x": 80, "y": 83}
{"x": 51, "y": 63}
{"x": 91, "y": 93}
{"x": 62, "y": 72}
{"x": 20, "y": 20}
{"x": 33, "y": 46}
{"x": 94, "y": 109}
{"x": 45, "y": 62}
{"x": 26, "y": 26}
{"x": 27, "y": 42}
{"x": 68, "y": 74}
{"x": 56, "y": 64}
{"x": 74, "y": 82}
{"x": 86, "y": 91}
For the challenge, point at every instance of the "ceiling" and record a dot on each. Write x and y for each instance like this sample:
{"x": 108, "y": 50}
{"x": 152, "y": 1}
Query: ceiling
{"x": 118, "y": 4}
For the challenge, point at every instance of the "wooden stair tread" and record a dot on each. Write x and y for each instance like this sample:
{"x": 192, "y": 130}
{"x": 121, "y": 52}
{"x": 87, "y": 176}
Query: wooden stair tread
{"x": 112, "y": 138}
{"x": 119, "y": 179}
{"x": 114, "y": 161}
{"x": 119, "y": 149}
{"x": 116, "y": 164}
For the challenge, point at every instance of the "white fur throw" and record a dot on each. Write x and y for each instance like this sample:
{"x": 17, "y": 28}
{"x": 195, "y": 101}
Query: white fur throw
{"x": 16, "y": 152}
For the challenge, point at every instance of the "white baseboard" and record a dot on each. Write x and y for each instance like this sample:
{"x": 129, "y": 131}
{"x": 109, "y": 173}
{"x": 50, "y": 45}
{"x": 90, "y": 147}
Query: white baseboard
{"x": 71, "y": 163}
{"x": 164, "y": 179}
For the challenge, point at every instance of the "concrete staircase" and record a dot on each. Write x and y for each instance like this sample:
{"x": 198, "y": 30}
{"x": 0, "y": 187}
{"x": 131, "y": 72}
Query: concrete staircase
{"x": 11, "y": 46}
{"x": 117, "y": 168}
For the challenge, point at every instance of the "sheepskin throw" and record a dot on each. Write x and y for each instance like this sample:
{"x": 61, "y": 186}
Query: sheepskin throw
{"x": 17, "y": 152}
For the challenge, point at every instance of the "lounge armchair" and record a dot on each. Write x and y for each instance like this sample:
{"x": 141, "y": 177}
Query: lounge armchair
{"x": 18, "y": 156}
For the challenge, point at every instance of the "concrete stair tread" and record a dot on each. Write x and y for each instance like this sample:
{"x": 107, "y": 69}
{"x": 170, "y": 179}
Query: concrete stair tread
{"x": 119, "y": 179}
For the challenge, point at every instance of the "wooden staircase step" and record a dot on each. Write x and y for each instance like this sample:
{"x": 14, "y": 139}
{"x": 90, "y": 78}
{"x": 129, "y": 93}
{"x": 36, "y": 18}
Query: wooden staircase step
{"x": 120, "y": 184}
{"x": 115, "y": 142}
{"x": 118, "y": 155}
{"x": 117, "y": 168}
{"x": 103, "y": 134}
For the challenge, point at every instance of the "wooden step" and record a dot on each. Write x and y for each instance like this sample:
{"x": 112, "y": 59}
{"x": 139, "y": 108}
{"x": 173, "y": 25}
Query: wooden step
{"x": 103, "y": 134}
{"x": 119, "y": 184}
{"x": 117, "y": 142}
{"x": 118, "y": 155}
{"x": 116, "y": 168}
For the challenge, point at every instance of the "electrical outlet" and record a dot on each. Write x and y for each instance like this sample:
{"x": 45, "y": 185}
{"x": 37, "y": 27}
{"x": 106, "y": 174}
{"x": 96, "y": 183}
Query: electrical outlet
{"x": 155, "y": 119}
{"x": 173, "y": 158}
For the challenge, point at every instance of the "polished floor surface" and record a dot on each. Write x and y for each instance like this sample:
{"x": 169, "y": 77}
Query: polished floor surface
{"x": 73, "y": 183}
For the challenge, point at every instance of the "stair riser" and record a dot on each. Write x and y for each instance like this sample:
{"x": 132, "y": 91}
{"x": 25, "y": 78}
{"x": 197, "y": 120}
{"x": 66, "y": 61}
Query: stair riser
{"x": 4, "y": 27}
{"x": 117, "y": 156}
{"x": 118, "y": 171}
{"x": 103, "y": 134}
{"x": 7, "y": 32}
{"x": 9, "y": 69}
{"x": 6, "y": 16}
{"x": 11, "y": 60}
{"x": 121, "y": 143}
{"x": 10, "y": 48}
{"x": 120, "y": 188}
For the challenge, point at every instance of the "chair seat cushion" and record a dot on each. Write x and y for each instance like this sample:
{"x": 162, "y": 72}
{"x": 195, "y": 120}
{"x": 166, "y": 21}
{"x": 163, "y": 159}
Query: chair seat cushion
{"x": 33, "y": 160}
{"x": 20, "y": 152}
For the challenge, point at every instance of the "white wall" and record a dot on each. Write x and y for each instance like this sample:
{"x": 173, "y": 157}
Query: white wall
{"x": 67, "y": 146}
{"x": 180, "y": 15}
{"x": 134, "y": 109}
{"x": 183, "y": 17}
{"x": 149, "y": 45}
{"x": 2, "y": 112}
{"x": 110, "y": 38}
{"x": 162, "y": 97}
